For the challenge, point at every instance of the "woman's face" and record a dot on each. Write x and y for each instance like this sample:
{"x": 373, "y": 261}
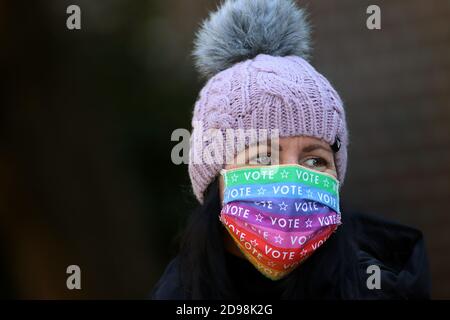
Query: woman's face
{"x": 310, "y": 152}
{"x": 306, "y": 151}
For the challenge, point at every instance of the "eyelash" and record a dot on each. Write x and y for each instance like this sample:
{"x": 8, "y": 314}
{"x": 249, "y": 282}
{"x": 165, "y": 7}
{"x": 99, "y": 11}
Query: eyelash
{"x": 269, "y": 155}
{"x": 324, "y": 162}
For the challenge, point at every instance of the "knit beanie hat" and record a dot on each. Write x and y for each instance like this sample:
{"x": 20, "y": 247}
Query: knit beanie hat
{"x": 254, "y": 54}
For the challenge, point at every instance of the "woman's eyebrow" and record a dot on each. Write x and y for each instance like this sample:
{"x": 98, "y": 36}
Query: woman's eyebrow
{"x": 313, "y": 147}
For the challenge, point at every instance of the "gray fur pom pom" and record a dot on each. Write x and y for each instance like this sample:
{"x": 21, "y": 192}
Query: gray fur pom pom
{"x": 242, "y": 29}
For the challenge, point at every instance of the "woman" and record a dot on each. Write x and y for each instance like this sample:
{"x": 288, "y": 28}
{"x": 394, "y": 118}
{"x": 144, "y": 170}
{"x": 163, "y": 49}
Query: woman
{"x": 269, "y": 224}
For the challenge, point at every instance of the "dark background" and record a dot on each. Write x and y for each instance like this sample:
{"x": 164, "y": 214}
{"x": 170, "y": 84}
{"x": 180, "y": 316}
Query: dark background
{"x": 86, "y": 119}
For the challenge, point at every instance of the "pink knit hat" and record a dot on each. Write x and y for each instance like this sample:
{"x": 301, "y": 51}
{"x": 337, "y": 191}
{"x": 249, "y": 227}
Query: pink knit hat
{"x": 254, "y": 53}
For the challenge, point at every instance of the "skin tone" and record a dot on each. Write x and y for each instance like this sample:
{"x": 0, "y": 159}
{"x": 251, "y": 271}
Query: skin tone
{"x": 310, "y": 152}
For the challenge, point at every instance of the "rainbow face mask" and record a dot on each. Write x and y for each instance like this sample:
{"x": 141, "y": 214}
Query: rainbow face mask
{"x": 279, "y": 215}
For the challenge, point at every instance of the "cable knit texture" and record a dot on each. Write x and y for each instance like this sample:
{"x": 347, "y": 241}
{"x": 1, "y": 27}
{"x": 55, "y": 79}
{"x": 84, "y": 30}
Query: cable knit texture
{"x": 266, "y": 92}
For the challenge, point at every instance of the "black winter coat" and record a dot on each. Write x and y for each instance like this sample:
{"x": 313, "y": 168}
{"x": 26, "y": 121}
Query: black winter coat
{"x": 398, "y": 250}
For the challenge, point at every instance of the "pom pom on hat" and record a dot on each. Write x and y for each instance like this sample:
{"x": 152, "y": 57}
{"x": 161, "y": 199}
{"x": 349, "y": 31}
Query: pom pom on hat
{"x": 242, "y": 29}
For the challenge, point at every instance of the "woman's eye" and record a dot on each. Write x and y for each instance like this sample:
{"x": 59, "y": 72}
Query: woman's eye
{"x": 263, "y": 160}
{"x": 316, "y": 163}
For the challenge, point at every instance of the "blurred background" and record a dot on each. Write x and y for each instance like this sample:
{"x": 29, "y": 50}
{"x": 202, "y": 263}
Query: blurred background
{"x": 87, "y": 115}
